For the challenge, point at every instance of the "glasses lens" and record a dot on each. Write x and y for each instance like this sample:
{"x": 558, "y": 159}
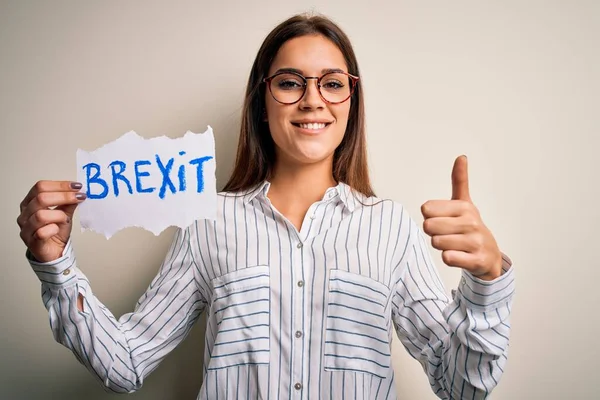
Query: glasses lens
{"x": 287, "y": 88}
{"x": 336, "y": 87}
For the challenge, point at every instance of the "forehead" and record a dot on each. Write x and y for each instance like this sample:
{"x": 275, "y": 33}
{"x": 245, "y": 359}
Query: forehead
{"x": 309, "y": 54}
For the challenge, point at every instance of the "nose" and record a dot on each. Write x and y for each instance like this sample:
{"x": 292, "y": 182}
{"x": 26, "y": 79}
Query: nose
{"x": 312, "y": 97}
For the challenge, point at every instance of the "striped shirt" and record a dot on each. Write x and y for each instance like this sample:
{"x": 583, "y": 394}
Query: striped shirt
{"x": 293, "y": 314}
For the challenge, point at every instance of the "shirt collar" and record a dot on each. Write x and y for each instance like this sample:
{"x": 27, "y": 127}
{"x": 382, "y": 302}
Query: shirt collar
{"x": 350, "y": 198}
{"x": 260, "y": 189}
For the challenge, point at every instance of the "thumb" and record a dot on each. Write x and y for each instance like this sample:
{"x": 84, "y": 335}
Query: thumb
{"x": 68, "y": 209}
{"x": 64, "y": 229}
{"x": 460, "y": 179}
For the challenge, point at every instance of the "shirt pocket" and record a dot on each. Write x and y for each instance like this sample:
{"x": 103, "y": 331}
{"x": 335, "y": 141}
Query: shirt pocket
{"x": 357, "y": 337}
{"x": 241, "y": 308}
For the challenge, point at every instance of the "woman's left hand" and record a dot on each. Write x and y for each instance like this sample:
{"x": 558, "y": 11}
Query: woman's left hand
{"x": 456, "y": 228}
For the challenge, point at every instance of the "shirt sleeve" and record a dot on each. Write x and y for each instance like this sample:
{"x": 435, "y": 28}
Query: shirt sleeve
{"x": 121, "y": 353}
{"x": 462, "y": 343}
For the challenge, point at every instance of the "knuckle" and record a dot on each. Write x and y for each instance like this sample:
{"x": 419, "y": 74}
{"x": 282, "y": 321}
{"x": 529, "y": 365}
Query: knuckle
{"x": 39, "y": 186}
{"x": 43, "y": 199}
{"x": 447, "y": 257}
{"x": 40, "y": 217}
{"x": 480, "y": 242}
{"x": 427, "y": 226}
{"x": 426, "y": 208}
{"x": 471, "y": 224}
{"x": 482, "y": 260}
{"x": 470, "y": 209}
{"x": 37, "y": 234}
{"x": 476, "y": 242}
{"x": 465, "y": 207}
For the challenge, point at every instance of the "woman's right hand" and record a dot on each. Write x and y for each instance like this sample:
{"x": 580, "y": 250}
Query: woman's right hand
{"x": 46, "y": 217}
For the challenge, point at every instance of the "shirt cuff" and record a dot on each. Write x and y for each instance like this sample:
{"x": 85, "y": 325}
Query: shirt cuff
{"x": 488, "y": 295}
{"x": 57, "y": 273}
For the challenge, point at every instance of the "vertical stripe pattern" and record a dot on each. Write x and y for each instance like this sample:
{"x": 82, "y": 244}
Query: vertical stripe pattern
{"x": 306, "y": 314}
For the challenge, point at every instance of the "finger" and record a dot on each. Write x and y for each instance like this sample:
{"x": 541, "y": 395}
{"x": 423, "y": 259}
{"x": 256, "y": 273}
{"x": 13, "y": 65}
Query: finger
{"x": 454, "y": 242}
{"x": 442, "y": 226}
{"x": 68, "y": 209}
{"x": 45, "y": 200}
{"x": 446, "y": 208}
{"x": 46, "y": 232}
{"x": 449, "y": 226}
{"x": 473, "y": 263}
{"x": 460, "y": 179}
{"x": 50, "y": 186}
{"x": 45, "y": 217}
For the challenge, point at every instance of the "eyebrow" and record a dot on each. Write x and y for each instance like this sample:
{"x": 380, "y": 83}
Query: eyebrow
{"x": 298, "y": 71}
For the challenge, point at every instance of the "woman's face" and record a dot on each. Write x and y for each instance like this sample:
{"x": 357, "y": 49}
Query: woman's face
{"x": 310, "y": 130}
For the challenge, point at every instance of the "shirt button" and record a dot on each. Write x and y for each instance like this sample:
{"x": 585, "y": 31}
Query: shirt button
{"x": 299, "y": 245}
{"x": 298, "y": 334}
{"x": 463, "y": 280}
{"x": 300, "y": 283}
{"x": 66, "y": 272}
{"x": 298, "y": 386}
{"x": 313, "y": 216}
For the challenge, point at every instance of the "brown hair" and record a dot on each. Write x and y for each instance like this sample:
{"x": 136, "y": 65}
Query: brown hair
{"x": 256, "y": 150}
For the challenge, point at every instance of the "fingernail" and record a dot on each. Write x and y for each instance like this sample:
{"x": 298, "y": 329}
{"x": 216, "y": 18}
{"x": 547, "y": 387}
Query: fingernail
{"x": 76, "y": 185}
{"x": 80, "y": 196}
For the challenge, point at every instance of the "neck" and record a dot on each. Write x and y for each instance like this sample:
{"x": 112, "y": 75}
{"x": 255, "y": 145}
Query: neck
{"x": 307, "y": 182}
{"x": 295, "y": 187}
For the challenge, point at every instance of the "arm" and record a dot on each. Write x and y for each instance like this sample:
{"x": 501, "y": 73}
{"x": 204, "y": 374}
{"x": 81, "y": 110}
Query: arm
{"x": 121, "y": 353}
{"x": 462, "y": 344}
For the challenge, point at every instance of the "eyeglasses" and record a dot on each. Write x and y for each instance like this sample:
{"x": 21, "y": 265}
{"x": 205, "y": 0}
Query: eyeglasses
{"x": 289, "y": 87}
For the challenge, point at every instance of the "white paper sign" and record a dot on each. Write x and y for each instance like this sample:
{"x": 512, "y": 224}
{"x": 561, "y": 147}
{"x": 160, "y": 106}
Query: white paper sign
{"x": 149, "y": 183}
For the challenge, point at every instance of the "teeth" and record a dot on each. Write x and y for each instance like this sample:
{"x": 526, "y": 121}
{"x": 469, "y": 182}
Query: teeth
{"x": 312, "y": 126}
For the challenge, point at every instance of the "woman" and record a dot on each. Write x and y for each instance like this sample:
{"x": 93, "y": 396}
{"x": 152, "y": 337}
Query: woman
{"x": 305, "y": 273}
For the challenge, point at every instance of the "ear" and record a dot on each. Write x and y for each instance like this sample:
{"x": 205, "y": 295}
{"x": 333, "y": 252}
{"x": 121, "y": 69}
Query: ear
{"x": 264, "y": 115}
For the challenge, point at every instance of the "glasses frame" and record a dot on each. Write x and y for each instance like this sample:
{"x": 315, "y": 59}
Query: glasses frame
{"x": 354, "y": 79}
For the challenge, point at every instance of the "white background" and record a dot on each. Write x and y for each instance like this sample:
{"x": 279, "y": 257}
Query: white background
{"x": 515, "y": 85}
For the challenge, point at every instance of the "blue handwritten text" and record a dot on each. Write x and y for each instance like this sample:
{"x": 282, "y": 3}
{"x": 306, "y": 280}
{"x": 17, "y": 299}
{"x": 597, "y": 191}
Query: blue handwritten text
{"x": 99, "y": 187}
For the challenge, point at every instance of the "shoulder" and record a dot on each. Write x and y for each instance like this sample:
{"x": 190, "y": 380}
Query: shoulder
{"x": 245, "y": 194}
{"x": 228, "y": 200}
{"x": 229, "y": 205}
{"x": 360, "y": 201}
{"x": 389, "y": 210}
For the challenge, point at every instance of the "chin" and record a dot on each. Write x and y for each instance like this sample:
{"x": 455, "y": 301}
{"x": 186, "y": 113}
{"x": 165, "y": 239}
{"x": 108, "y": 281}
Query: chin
{"x": 312, "y": 157}
{"x": 306, "y": 150}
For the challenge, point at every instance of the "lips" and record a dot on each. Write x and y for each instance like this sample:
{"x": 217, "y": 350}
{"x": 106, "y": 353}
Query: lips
{"x": 315, "y": 126}
{"x": 312, "y": 125}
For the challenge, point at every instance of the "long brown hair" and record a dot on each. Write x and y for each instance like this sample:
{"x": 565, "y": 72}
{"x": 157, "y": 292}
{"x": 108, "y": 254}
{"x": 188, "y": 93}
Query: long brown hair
{"x": 256, "y": 150}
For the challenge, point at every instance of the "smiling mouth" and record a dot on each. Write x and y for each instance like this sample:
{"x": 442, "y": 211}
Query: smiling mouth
{"x": 315, "y": 126}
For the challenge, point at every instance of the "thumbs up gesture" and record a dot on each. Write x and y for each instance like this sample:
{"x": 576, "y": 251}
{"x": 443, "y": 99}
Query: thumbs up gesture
{"x": 456, "y": 228}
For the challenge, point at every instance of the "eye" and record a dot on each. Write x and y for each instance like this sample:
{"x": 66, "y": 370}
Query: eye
{"x": 334, "y": 82}
{"x": 333, "y": 85}
{"x": 288, "y": 84}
